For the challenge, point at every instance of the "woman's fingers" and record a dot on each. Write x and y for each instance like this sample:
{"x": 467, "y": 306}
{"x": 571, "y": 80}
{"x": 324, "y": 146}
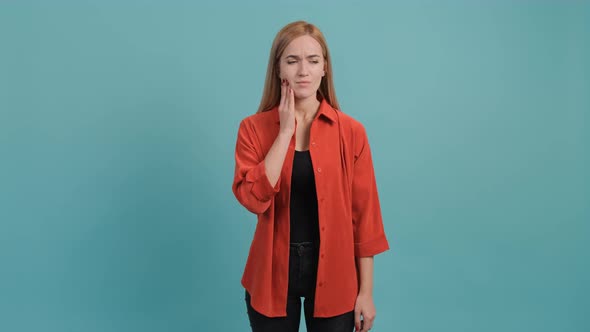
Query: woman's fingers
{"x": 283, "y": 95}
{"x": 286, "y": 109}
{"x": 367, "y": 324}
{"x": 291, "y": 100}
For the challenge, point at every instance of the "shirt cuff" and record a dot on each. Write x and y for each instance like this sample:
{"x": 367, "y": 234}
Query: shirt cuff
{"x": 262, "y": 189}
{"x": 371, "y": 248}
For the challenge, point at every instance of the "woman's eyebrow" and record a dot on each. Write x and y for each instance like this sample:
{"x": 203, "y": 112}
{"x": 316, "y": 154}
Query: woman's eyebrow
{"x": 297, "y": 57}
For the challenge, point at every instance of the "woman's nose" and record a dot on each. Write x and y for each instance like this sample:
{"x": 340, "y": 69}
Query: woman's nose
{"x": 303, "y": 70}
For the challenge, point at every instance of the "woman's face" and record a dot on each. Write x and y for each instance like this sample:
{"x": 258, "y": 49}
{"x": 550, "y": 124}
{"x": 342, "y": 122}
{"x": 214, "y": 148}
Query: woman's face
{"x": 302, "y": 64}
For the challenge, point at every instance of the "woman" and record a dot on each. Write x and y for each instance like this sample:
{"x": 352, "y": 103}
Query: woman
{"x": 305, "y": 169}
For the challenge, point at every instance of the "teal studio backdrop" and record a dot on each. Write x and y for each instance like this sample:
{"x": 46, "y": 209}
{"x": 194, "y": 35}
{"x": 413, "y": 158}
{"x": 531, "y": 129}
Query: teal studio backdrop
{"x": 118, "y": 123}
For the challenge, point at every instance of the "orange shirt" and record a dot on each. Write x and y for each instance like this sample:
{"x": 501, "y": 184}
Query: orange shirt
{"x": 348, "y": 208}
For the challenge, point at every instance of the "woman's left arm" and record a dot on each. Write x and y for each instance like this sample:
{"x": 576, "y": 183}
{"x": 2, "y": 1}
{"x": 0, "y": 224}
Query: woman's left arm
{"x": 365, "y": 268}
{"x": 364, "y": 303}
{"x": 369, "y": 234}
{"x": 367, "y": 223}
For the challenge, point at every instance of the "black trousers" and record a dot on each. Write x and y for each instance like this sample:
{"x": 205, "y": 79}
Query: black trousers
{"x": 303, "y": 265}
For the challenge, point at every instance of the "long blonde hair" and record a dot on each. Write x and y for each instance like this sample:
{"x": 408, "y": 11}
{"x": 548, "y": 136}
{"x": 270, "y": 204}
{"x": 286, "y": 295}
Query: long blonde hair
{"x": 271, "y": 95}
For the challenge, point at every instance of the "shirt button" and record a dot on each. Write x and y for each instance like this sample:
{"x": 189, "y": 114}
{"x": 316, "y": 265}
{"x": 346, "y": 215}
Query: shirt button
{"x": 313, "y": 143}
{"x": 323, "y": 228}
{"x": 319, "y": 169}
{"x": 321, "y": 284}
{"x": 322, "y": 256}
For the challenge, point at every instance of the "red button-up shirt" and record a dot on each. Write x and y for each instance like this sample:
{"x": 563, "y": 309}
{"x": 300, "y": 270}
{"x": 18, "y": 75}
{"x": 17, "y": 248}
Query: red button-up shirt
{"x": 348, "y": 207}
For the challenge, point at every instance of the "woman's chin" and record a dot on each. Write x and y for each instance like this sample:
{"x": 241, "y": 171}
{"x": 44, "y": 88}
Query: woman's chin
{"x": 304, "y": 94}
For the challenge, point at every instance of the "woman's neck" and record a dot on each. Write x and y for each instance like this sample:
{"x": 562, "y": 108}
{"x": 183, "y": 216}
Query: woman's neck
{"x": 306, "y": 109}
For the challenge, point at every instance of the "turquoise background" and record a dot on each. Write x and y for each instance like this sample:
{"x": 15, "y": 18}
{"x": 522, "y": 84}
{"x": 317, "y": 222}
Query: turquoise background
{"x": 118, "y": 123}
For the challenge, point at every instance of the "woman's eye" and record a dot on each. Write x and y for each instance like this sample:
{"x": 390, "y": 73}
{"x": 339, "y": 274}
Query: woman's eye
{"x": 292, "y": 62}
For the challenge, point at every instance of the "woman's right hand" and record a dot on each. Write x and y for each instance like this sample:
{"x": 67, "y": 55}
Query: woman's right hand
{"x": 287, "y": 109}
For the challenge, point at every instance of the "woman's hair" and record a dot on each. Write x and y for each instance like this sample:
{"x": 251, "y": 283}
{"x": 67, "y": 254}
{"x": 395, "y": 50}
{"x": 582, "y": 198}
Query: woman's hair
{"x": 271, "y": 95}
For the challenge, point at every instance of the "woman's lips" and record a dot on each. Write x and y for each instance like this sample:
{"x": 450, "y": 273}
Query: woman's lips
{"x": 303, "y": 83}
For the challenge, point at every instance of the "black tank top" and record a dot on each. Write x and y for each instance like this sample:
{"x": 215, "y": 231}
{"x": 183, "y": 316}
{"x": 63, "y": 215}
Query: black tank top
{"x": 304, "y": 203}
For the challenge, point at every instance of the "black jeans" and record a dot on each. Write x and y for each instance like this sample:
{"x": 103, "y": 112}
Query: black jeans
{"x": 303, "y": 265}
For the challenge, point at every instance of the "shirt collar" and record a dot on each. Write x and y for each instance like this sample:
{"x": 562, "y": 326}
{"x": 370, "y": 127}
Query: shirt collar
{"x": 325, "y": 111}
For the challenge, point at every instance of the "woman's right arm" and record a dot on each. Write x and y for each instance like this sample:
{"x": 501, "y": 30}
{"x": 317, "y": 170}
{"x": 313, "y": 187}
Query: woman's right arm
{"x": 256, "y": 182}
{"x": 276, "y": 155}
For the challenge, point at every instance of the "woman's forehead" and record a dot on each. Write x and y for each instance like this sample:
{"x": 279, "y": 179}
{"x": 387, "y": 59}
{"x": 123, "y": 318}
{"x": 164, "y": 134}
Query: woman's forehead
{"x": 303, "y": 46}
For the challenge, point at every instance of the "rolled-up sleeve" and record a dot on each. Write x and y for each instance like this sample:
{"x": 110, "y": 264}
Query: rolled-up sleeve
{"x": 369, "y": 234}
{"x": 251, "y": 185}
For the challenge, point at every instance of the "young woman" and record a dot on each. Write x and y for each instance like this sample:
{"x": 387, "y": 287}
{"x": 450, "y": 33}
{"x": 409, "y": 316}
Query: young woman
{"x": 305, "y": 169}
